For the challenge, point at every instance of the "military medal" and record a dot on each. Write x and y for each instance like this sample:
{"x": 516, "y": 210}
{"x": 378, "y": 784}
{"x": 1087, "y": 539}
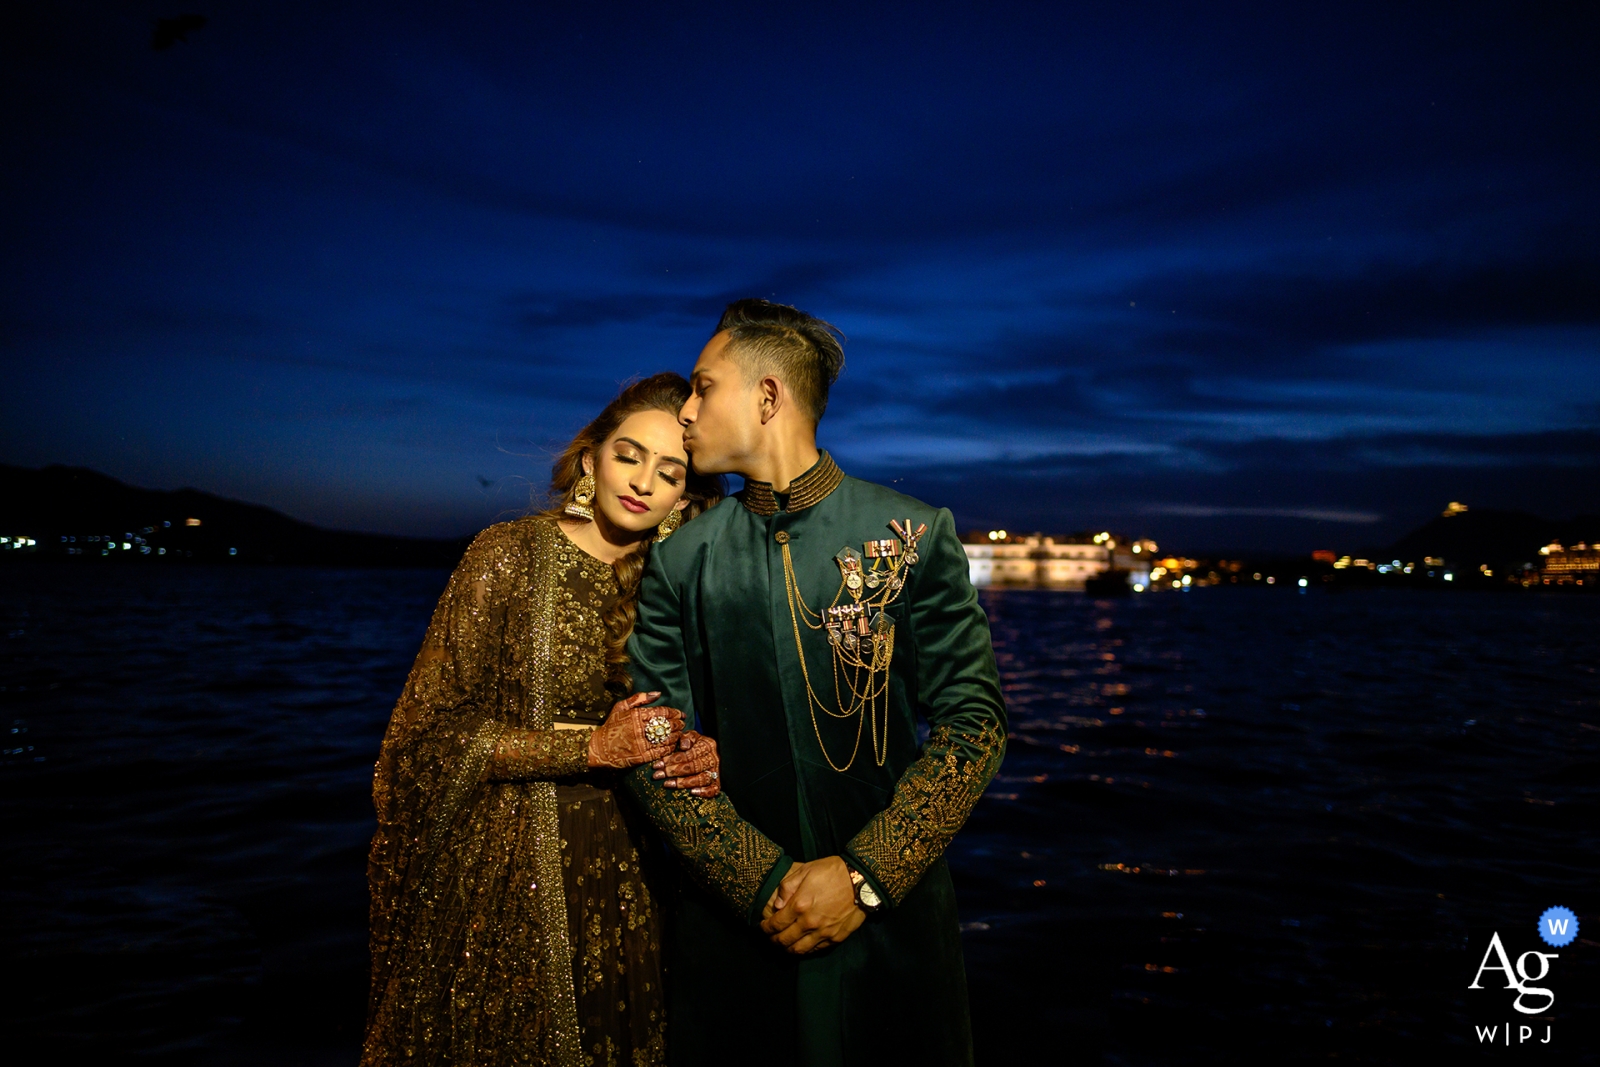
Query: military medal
{"x": 849, "y": 561}
{"x": 859, "y": 632}
{"x": 884, "y": 549}
{"x": 908, "y": 537}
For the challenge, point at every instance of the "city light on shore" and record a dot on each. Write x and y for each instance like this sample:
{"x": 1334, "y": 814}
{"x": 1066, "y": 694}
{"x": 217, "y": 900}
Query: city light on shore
{"x": 1106, "y": 562}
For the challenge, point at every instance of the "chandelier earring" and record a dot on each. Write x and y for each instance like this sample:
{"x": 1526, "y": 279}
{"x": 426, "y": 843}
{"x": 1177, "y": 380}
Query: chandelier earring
{"x": 583, "y": 491}
{"x": 673, "y": 520}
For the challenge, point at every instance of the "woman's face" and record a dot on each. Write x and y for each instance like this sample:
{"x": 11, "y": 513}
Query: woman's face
{"x": 640, "y": 471}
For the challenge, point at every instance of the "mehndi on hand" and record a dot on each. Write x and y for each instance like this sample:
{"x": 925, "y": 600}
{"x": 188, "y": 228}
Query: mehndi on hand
{"x": 633, "y": 733}
{"x": 693, "y": 765}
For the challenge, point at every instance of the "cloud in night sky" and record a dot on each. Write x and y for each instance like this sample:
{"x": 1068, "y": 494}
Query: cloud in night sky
{"x": 1246, "y": 276}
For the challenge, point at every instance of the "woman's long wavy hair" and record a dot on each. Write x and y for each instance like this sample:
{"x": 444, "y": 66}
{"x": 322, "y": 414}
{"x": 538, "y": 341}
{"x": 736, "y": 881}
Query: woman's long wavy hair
{"x": 659, "y": 392}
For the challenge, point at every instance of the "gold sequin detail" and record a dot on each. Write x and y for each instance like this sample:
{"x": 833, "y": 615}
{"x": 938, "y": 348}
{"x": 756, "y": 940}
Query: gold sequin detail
{"x": 539, "y": 754}
{"x": 474, "y": 960}
{"x": 931, "y": 803}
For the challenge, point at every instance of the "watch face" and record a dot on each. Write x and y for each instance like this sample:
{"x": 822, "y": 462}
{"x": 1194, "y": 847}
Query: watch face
{"x": 868, "y": 897}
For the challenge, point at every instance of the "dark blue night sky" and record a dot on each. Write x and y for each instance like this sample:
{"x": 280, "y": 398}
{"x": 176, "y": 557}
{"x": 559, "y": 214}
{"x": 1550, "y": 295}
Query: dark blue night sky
{"x": 1282, "y": 277}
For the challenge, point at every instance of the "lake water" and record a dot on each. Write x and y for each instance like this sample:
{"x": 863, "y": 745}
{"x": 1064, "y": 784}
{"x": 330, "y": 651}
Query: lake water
{"x": 1231, "y": 822}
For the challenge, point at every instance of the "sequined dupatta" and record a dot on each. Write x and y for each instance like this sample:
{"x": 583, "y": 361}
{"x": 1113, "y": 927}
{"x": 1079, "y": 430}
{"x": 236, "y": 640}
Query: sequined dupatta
{"x": 472, "y": 962}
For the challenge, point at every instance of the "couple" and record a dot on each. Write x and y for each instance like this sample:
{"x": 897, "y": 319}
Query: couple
{"x": 521, "y": 915}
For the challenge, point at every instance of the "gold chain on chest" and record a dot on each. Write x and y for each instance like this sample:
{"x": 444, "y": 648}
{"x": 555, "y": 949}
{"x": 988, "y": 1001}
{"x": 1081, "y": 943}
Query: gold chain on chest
{"x": 860, "y": 634}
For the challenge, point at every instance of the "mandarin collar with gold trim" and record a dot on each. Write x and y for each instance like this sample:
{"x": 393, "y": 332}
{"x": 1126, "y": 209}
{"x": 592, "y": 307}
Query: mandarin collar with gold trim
{"x": 808, "y": 490}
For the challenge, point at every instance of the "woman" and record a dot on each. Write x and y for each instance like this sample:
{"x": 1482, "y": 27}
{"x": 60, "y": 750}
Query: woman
{"x": 511, "y": 922}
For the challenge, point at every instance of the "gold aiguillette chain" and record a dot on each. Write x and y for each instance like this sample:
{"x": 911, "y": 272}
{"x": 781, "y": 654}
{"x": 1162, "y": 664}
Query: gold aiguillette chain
{"x": 860, "y": 633}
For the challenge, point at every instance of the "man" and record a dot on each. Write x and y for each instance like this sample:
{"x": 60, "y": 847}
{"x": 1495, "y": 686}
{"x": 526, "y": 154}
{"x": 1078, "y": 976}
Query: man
{"x": 806, "y": 624}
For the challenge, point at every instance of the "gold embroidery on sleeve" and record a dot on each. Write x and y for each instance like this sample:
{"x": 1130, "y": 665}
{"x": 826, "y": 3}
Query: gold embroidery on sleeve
{"x": 539, "y": 754}
{"x": 931, "y": 803}
{"x": 724, "y": 853}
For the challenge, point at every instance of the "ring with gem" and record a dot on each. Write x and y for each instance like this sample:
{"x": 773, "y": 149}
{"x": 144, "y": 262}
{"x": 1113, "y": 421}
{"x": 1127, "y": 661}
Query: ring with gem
{"x": 657, "y": 730}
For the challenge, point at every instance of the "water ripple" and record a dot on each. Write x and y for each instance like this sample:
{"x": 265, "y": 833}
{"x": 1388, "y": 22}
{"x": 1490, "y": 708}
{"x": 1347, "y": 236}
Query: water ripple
{"x": 1230, "y": 822}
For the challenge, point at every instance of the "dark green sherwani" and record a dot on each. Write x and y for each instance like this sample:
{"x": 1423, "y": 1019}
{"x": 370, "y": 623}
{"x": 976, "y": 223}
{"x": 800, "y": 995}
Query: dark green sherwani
{"x": 715, "y": 635}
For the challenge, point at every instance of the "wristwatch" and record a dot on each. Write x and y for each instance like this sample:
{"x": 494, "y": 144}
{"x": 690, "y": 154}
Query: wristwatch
{"x": 867, "y": 898}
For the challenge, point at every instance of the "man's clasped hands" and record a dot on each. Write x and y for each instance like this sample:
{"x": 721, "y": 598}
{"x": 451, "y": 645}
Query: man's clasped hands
{"x": 814, "y": 906}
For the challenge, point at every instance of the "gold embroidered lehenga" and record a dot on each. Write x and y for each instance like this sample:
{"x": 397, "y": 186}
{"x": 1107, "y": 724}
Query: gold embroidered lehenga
{"x": 511, "y": 918}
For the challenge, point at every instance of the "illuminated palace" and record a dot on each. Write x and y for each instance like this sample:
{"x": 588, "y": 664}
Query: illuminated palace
{"x": 998, "y": 557}
{"x": 1579, "y": 564}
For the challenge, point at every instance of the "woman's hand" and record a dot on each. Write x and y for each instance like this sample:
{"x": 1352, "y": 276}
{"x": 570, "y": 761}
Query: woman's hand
{"x": 693, "y": 765}
{"x": 621, "y": 741}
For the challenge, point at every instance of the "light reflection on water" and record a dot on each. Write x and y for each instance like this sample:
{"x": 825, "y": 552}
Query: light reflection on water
{"x": 1228, "y": 819}
{"x": 1250, "y": 819}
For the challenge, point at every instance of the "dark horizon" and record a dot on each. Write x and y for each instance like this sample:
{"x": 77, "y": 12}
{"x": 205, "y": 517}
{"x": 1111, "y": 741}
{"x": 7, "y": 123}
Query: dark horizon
{"x": 57, "y": 500}
{"x": 1252, "y": 279}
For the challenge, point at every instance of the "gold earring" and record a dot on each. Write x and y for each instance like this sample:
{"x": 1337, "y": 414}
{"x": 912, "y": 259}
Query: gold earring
{"x": 583, "y": 491}
{"x": 673, "y": 520}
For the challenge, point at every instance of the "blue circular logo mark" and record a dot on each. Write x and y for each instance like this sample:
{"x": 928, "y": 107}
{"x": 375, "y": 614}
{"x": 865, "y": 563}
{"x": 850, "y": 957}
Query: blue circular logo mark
{"x": 1558, "y": 926}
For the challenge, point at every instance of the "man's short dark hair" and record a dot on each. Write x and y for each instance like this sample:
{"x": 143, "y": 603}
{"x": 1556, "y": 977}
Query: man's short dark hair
{"x": 802, "y": 350}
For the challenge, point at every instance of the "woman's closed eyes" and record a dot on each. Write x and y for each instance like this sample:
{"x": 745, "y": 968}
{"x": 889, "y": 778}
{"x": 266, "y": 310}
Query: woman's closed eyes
{"x": 667, "y": 474}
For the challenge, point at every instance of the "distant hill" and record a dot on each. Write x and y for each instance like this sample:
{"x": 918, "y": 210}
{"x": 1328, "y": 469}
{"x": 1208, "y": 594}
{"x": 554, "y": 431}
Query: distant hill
{"x": 1500, "y": 539}
{"x": 74, "y": 513}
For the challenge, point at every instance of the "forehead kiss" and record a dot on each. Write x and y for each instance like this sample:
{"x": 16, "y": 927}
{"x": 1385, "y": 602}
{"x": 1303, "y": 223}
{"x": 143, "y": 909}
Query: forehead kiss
{"x": 652, "y": 435}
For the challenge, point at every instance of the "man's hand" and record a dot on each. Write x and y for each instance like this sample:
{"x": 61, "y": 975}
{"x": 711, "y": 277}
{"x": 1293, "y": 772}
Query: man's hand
{"x": 785, "y": 890}
{"x": 815, "y": 905}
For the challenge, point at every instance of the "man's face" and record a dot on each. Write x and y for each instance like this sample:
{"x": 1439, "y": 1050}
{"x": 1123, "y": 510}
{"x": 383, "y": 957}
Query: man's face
{"x": 722, "y": 417}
